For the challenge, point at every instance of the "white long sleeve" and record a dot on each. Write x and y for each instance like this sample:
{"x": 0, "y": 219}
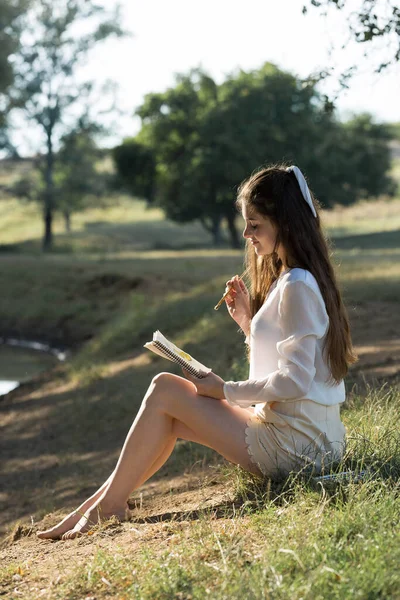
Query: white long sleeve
{"x": 287, "y": 336}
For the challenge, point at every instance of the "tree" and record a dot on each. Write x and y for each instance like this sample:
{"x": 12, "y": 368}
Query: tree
{"x": 261, "y": 117}
{"x": 172, "y": 123}
{"x": 45, "y": 86}
{"x": 206, "y": 139}
{"x": 171, "y": 129}
{"x": 362, "y": 161}
{"x": 372, "y": 20}
{"x": 10, "y": 31}
{"x": 78, "y": 181}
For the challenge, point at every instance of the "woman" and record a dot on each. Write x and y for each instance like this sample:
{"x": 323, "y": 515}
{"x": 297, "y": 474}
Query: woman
{"x": 286, "y": 415}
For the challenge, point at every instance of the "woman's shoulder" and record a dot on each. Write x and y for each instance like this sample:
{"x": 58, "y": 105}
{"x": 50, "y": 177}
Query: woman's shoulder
{"x": 301, "y": 290}
{"x": 302, "y": 275}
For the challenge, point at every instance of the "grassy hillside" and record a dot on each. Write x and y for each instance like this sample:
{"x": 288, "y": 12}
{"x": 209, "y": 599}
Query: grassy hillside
{"x": 120, "y": 275}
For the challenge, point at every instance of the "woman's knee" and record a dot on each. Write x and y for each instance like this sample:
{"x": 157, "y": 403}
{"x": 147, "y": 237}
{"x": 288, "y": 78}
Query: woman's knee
{"x": 163, "y": 386}
{"x": 163, "y": 379}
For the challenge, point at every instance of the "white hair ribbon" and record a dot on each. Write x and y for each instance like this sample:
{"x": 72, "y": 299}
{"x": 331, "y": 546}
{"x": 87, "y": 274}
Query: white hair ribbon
{"x": 303, "y": 186}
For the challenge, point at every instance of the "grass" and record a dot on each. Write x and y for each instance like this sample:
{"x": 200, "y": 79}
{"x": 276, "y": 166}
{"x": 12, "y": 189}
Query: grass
{"x": 102, "y": 293}
{"x": 272, "y": 553}
{"x": 125, "y": 226}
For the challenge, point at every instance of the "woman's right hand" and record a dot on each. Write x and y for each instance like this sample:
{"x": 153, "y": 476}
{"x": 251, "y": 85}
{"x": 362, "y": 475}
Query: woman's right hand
{"x": 238, "y": 303}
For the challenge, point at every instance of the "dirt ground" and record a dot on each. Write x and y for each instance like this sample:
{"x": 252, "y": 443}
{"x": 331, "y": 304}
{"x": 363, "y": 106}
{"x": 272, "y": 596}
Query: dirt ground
{"x": 375, "y": 328}
{"x": 161, "y": 503}
{"x": 38, "y": 565}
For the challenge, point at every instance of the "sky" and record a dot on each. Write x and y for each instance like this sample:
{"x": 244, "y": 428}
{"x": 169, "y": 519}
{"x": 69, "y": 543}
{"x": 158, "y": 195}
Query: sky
{"x": 221, "y": 36}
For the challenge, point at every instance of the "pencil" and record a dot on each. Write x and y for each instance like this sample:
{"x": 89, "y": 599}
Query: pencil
{"x": 216, "y": 307}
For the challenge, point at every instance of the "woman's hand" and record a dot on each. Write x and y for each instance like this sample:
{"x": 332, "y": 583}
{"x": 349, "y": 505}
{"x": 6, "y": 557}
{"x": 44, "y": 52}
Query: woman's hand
{"x": 211, "y": 385}
{"x": 238, "y": 303}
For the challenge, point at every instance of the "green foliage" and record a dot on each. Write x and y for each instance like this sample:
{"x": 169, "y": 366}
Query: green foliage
{"x": 394, "y": 129}
{"x": 205, "y": 139}
{"x": 45, "y": 86}
{"x": 369, "y": 156}
{"x": 77, "y": 181}
{"x": 370, "y": 20}
{"x": 354, "y": 163}
{"x": 45, "y": 66}
{"x": 10, "y": 32}
{"x": 173, "y": 127}
{"x": 135, "y": 166}
{"x": 9, "y": 36}
{"x": 30, "y": 186}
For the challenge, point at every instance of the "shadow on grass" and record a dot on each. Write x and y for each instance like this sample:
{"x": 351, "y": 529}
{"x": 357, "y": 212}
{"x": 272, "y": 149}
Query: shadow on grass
{"x": 61, "y": 446}
{"x": 152, "y": 235}
{"x": 120, "y": 237}
{"x": 381, "y": 289}
{"x": 368, "y": 241}
{"x": 166, "y": 235}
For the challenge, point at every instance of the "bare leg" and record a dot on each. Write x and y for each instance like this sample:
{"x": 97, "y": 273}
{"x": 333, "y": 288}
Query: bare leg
{"x": 72, "y": 519}
{"x": 170, "y": 402}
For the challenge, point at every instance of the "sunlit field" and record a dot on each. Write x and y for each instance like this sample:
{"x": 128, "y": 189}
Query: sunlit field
{"x": 127, "y": 225}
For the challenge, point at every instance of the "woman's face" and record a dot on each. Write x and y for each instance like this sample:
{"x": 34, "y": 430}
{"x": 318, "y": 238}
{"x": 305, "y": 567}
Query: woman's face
{"x": 260, "y": 231}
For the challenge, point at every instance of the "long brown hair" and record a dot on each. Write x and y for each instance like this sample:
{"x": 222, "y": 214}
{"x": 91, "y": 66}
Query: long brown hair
{"x": 274, "y": 192}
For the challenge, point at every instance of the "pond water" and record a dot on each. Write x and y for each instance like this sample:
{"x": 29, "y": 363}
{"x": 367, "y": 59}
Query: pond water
{"x": 19, "y": 363}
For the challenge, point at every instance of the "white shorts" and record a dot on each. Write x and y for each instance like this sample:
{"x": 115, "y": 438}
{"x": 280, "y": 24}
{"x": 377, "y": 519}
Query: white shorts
{"x": 278, "y": 450}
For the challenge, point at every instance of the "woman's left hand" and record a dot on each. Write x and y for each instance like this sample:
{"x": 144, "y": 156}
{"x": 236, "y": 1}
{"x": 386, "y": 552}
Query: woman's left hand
{"x": 211, "y": 385}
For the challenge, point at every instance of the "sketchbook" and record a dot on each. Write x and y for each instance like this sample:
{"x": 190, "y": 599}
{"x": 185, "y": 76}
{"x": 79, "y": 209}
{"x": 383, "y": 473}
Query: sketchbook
{"x": 163, "y": 347}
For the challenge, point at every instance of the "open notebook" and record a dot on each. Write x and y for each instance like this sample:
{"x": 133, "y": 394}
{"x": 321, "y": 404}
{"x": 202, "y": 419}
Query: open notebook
{"x": 163, "y": 347}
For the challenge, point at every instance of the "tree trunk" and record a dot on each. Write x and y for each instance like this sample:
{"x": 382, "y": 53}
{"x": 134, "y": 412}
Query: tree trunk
{"x": 214, "y": 228}
{"x": 230, "y": 219}
{"x": 48, "y": 195}
{"x": 67, "y": 221}
{"x": 216, "y": 231}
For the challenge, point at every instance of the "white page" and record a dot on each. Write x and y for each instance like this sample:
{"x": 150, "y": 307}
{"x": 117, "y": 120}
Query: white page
{"x": 181, "y": 354}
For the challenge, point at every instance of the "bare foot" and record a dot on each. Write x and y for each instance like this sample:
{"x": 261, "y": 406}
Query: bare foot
{"x": 72, "y": 519}
{"x": 94, "y": 515}
{"x": 65, "y": 525}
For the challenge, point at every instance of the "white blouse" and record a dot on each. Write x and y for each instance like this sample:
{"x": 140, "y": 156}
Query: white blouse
{"x": 286, "y": 360}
